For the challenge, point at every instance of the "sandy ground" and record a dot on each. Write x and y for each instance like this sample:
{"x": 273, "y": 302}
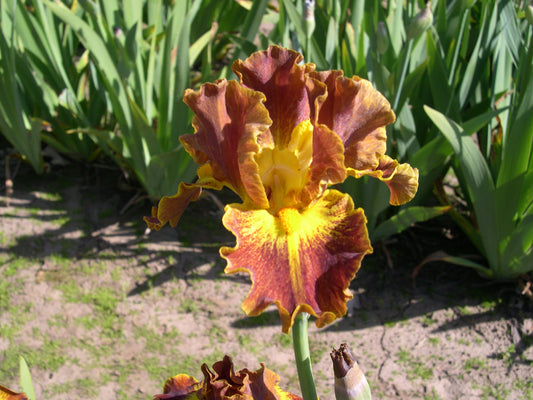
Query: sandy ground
{"x": 102, "y": 310}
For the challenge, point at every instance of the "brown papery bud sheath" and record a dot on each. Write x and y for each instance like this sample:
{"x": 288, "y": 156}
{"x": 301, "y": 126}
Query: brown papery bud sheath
{"x": 350, "y": 382}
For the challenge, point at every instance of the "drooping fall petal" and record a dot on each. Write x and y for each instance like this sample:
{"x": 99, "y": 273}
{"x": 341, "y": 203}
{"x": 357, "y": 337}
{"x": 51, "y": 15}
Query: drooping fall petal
{"x": 223, "y": 383}
{"x": 171, "y": 208}
{"x": 402, "y": 179}
{"x": 303, "y": 261}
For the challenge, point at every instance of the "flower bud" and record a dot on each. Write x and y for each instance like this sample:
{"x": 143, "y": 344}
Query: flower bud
{"x": 309, "y": 17}
{"x": 382, "y": 38}
{"x": 420, "y": 23}
{"x": 529, "y": 13}
{"x": 350, "y": 382}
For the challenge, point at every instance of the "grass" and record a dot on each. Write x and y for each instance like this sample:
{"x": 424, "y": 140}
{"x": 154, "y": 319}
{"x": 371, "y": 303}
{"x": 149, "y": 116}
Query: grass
{"x": 285, "y": 340}
{"x": 246, "y": 342}
{"x": 427, "y": 320}
{"x": 163, "y": 354}
{"x": 49, "y": 356}
{"x": 415, "y": 367}
{"x": 6, "y": 289}
{"x": 474, "y": 363}
{"x": 497, "y": 392}
{"x": 319, "y": 349}
{"x": 16, "y": 264}
{"x": 189, "y": 305}
{"x": 432, "y": 396}
{"x": 84, "y": 387}
{"x": 217, "y": 334}
{"x": 4, "y": 239}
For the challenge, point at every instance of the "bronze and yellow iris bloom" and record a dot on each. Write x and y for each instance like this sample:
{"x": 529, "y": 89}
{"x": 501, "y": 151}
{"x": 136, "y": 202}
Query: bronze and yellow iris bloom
{"x": 224, "y": 383}
{"x": 279, "y": 138}
{"x": 7, "y": 394}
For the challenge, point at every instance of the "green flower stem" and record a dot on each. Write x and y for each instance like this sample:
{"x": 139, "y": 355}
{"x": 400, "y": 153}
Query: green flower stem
{"x": 303, "y": 358}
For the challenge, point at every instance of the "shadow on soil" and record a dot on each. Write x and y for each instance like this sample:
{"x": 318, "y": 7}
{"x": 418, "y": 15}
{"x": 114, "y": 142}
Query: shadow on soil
{"x": 90, "y": 215}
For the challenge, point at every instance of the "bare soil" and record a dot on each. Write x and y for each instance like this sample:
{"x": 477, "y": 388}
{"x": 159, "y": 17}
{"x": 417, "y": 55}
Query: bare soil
{"x": 101, "y": 309}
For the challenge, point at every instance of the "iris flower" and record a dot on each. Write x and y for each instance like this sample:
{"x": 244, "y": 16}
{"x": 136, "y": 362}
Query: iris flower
{"x": 7, "y": 394}
{"x": 224, "y": 383}
{"x": 280, "y": 137}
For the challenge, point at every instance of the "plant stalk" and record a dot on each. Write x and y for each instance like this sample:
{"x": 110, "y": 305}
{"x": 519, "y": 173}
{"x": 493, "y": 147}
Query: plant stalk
{"x": 303, "y": 358}
{"x": 405, "y": 64}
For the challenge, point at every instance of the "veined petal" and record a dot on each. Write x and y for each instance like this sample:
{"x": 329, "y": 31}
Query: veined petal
{"x": 276, "y": 73}
{"x": 358, "y": 114}
{"x": 327, "y": 167}
{"x": 402, "y": 179}
{"x": 224, "y": 384}
{"x": 284, "y": 171}
{"x": 303, "y": 261}
{"x": 171, "y": 208}
{"x": 230, "y": 122}
{"x": 264, "y": 384}
{"x": 180, "y": 387}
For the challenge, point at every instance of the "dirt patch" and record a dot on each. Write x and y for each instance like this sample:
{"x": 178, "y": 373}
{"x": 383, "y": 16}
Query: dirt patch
{"x": 100, "y": 310}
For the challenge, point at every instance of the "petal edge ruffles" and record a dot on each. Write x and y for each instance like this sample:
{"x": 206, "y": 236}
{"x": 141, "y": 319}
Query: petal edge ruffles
{"x": 302, "y": 262}
{"x": 402, "y": 179}
{"x": 230, "y": 122}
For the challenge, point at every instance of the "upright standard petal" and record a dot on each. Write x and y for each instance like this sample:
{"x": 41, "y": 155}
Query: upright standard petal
{"x": 303, "y": 261}
{"x": 276, "y": 73}
{"x": 230, "y": 121}
{"x": 358, "y": 113}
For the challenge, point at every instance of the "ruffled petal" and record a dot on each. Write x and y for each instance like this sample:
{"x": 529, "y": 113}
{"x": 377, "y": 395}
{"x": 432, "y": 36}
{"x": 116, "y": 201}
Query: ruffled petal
{"x": 223, "y": 383}
{"x": 358, "y": 114}
{"x": 402, "y": 179}
{"x": 180, "y": 387}
{"x": 327, "y": 167}
{"x": 7, "y": 394}
{"x": 285, "y": 171}
{"x": 171, "y": 208}
{"x": 264, "y": 384}
{"x": 230, "y": 123}
{"x": 303, "y": 261}
{"x": 276, "y": 73}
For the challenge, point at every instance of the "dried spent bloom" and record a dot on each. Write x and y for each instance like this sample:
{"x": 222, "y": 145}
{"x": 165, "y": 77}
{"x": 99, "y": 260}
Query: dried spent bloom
{"x": 279, "y": 138}
{"x": 223, "y": 383}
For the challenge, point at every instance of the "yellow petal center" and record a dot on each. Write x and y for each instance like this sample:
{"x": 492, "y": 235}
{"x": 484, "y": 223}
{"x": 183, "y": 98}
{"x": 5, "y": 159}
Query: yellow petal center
{"x": 285, "y": 171}
{"x": 291, "y": 222}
